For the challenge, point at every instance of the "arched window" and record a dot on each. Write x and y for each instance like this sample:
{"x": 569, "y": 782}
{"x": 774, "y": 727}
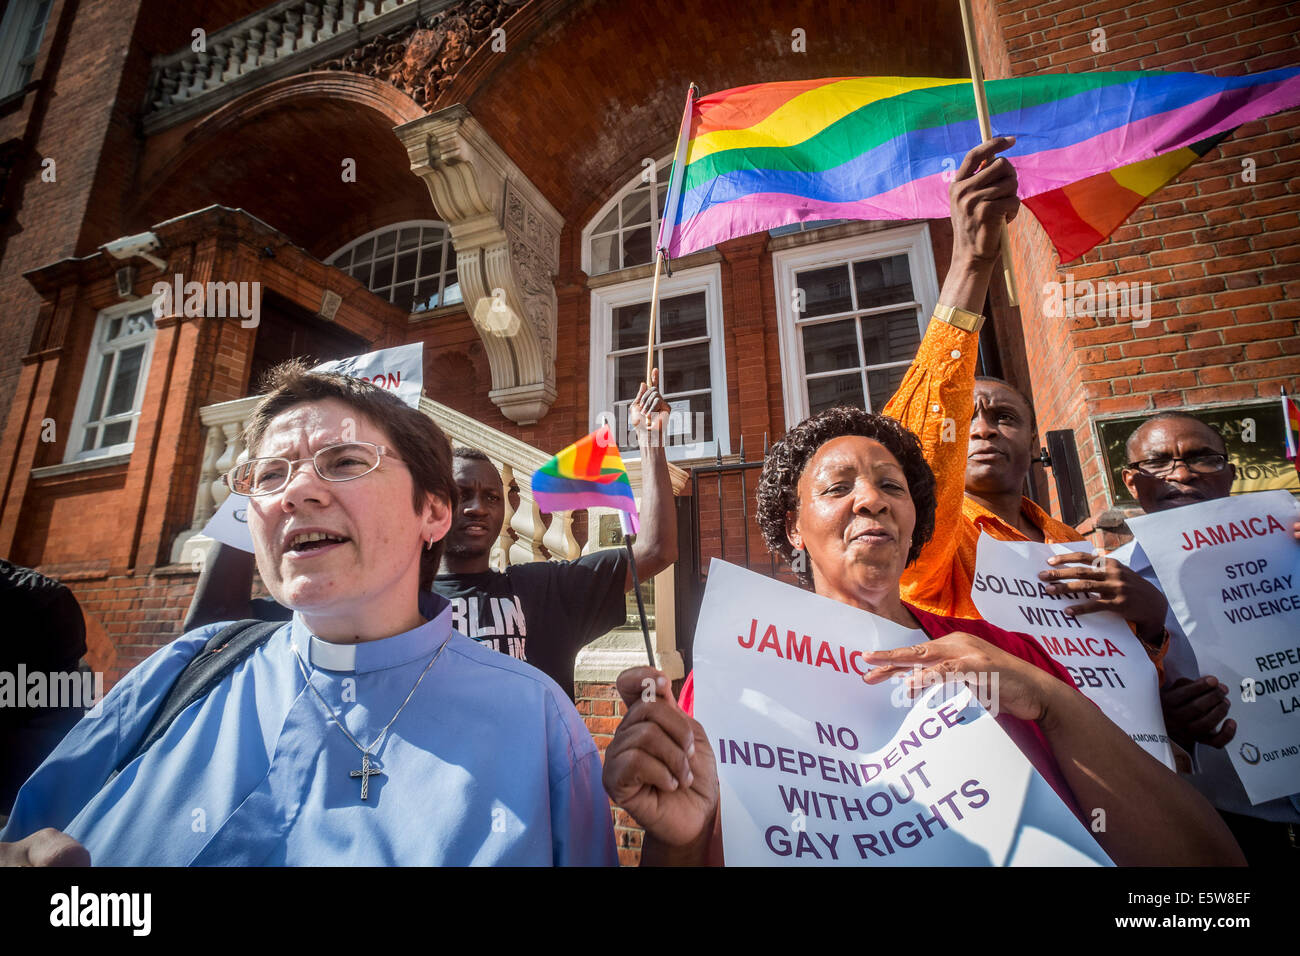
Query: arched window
{"x": 623, "y": 233}
{"x": 411, "y": 264}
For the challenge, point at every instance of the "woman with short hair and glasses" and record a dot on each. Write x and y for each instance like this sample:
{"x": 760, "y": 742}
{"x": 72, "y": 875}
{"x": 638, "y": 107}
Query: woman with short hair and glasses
{"x": 851, "y": 490}
{"x": 365, "y": 731}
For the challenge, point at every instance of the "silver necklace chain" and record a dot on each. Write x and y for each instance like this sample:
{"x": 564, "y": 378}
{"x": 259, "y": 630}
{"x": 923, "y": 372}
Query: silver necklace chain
{"x": 366, "y": 772}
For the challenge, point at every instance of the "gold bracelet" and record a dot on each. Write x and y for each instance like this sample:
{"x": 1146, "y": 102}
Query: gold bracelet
{"x": 966, "y": 321}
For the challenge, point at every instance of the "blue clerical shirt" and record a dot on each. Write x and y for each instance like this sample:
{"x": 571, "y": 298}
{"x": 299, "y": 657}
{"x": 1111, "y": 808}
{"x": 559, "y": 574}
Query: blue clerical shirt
{"x": 487, "y": 764}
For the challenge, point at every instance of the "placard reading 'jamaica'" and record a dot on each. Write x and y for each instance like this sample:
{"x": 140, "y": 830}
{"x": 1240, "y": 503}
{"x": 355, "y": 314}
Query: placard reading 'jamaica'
{"x": 1098, "y": 651}
{"x": 817, "y": 768}
{"x": 1231, "y": 571}
{"x": 399, "y": 370}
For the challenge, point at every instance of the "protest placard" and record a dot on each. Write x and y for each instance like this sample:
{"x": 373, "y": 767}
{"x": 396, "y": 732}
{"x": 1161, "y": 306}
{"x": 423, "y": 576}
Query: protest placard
{"x": 1231, "y": 571}
{"x": 816, "y": 767}
{"x": 1097, "y": 649}
{"x": 399, "y": 370}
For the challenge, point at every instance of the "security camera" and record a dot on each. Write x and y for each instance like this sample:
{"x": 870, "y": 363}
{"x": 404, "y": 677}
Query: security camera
{"x": 138, "y": 245}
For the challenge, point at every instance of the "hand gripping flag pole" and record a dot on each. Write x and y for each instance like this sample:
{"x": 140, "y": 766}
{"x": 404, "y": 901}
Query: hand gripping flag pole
{"x": 986, "y": 133}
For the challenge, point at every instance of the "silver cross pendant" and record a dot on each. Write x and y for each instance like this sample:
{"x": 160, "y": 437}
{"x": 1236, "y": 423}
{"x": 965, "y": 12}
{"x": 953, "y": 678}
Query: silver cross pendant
{"x": 365, "y": 773}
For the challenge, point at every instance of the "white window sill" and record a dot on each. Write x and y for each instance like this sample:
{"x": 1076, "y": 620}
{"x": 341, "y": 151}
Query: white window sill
{"x": 85, "y": 464}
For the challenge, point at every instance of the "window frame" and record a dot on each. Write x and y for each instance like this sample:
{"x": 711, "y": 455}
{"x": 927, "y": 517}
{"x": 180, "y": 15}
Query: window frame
{"x": 448, "y": 262}
{"x": 602, "y": 370}
{"x": 663, "y": 167}
{"x": 912, "y": 239}
{"x": 17, "y": 25}
{"x": 99, "y": 348}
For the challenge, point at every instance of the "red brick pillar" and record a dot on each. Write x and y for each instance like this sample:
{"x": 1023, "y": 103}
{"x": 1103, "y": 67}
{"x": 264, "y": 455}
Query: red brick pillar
{"x": 748, "y": 311}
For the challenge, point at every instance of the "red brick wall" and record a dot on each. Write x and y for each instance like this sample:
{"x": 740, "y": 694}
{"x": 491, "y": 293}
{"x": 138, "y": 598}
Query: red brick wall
{"x": 600, "y": 706}
{"x": 79, "y": 65}
{"x": 140, "y": 612}
{"x": 1221, "y": 253}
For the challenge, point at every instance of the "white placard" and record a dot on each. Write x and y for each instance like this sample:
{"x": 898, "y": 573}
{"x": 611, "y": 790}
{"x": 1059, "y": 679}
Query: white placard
{"x": 816, "y": 767}
{"x": 1103, "y": 658}
{"x": 399, "y": 370}
{"x": 1231, "y": 571}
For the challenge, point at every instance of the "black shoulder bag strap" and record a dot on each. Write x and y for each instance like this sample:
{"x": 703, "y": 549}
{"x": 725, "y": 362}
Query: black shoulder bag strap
{"x": 221, "y": 655}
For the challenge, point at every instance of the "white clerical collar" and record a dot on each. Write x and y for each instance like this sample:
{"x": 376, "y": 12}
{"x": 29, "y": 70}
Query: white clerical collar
{"x": 394, "y": 651}
{"x": 332, "y": 657}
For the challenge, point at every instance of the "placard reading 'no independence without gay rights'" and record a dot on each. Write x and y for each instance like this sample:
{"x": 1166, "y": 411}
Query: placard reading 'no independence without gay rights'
{"x": 816, "y": 767}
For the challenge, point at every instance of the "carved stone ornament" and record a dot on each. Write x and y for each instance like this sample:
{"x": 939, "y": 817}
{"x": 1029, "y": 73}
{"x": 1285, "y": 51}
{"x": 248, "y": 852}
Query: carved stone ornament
{"x": 422, "y": 59}
{"x": 507, "y": 239}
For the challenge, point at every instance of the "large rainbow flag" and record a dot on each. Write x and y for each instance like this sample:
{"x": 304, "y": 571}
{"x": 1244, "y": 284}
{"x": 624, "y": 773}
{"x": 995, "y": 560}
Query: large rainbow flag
{"x": 587, "y": 474}
{"x": 1090, "y": 147}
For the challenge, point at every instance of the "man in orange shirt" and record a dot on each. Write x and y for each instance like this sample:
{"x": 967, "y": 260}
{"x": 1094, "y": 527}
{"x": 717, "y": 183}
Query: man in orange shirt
{"x": 980, "y": 469}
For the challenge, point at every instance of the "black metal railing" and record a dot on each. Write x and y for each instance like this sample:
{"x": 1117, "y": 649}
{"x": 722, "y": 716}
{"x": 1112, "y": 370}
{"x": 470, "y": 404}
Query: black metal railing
{"x": 712, "y": 487}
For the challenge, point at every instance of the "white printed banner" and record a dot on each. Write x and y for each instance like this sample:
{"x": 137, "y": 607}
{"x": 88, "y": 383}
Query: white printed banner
{"x": 1231, "y": 571}
{"x": 1100, "y": 653}
{"x": 399, "y": 370}
{"x": 818, "y": 768}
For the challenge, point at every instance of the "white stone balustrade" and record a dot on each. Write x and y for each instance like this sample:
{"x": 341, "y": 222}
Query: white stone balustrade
{"x": 284, "y": 38}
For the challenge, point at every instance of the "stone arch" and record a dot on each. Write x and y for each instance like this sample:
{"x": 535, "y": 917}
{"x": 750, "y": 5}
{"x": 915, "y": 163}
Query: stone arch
{"x": 265, "y": 145}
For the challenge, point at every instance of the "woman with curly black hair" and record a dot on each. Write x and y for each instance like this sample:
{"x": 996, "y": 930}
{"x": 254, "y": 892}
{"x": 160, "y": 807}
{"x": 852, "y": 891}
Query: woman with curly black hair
{"x": 847, "y": 497}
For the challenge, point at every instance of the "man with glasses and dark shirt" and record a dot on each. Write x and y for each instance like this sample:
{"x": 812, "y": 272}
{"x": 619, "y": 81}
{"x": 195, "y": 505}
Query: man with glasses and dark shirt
{"x": 544, "y": 612}
{"x": 1175, "y": 459}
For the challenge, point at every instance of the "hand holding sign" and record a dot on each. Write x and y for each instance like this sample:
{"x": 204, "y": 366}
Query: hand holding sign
{"x": 1023, "y": 690}
{"x": 1117, "y": 588}
{"x": 1193, "y": 709}
{"x": 660, "y": 767}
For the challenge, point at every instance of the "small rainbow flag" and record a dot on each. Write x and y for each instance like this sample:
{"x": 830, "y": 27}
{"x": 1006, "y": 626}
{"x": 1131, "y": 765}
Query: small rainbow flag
{"x": 587, "y": 474}
{"x": 1291, "y": 426}
{"x": 1090, "y": 147}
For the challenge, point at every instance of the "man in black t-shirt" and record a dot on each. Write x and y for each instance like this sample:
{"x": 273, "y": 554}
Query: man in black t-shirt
{"x": 544, "y": 612}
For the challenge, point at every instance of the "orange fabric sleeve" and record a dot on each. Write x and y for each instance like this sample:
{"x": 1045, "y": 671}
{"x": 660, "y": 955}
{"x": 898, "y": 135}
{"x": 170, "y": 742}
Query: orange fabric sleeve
{"x": 1157, "y": 654}
{"x": 939, "y": 388}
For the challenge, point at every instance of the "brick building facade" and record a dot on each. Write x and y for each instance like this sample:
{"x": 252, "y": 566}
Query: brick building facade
{"x": 259, "y": 142}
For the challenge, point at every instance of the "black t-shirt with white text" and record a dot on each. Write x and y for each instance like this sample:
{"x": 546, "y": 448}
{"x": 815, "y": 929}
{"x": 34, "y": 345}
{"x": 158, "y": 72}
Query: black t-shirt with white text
{"x": 542, "y": 612}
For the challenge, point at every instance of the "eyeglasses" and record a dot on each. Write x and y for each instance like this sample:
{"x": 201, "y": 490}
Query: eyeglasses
{"x": 266, "y": 476}
{"x": 1164, "y": 467}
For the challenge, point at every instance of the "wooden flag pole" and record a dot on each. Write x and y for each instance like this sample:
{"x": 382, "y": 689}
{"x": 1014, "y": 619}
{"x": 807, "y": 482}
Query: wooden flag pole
{"x": 670, "y": 207}
{"x": 626, "y": 525}
{"x": 654, "y": 315}
{"x": 986, "y": 131}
